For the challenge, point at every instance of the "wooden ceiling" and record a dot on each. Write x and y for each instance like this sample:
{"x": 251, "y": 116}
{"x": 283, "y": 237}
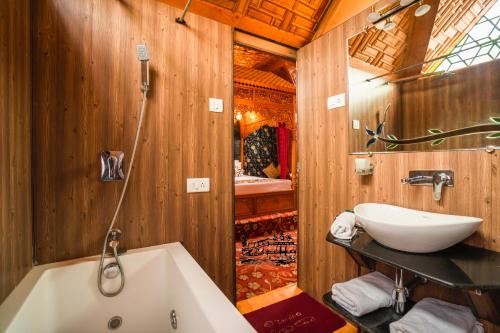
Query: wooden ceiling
{"x": 290, "y": 22}
{"x": 379, "y": 48}
{"x": 258, "y": 61}
{"x": 256, "y": 78}
{"x": 414, "y": 40}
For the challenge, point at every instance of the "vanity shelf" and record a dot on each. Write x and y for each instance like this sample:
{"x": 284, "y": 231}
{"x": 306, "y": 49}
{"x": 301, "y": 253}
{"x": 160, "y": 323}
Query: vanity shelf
{"x": 474, "y": 271}
{"x": 375, "y": 322}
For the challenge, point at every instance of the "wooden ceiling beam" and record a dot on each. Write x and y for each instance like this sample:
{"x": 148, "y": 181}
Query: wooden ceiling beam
{"x": 278, "y": 67}
{"x": 242, "y": 6}
{"x": 237, "y": 19}
{"x": 261, "y": 44}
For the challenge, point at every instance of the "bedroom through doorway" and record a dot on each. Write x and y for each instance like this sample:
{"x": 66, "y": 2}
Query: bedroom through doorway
{"x": 265, "y": 163}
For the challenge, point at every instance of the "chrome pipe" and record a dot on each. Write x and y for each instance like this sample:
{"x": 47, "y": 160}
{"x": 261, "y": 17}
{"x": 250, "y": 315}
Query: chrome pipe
{"x": 180, "y": 19}
{"x": 399, "y": 293}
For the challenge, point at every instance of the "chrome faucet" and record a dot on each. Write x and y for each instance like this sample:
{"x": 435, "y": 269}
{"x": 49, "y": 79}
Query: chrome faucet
{"x": 114, "y": 238}
{"x": 437, "y": 179}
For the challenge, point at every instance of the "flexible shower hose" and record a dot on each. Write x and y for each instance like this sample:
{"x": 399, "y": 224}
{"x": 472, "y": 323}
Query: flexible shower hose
{"x": 117, "y": 210}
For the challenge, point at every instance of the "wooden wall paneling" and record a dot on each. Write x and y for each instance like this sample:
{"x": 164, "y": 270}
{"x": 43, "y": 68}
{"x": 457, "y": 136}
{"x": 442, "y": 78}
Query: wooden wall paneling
{"x": 468, "y": 97}
{"x": 368, "y": 107}
{"x": 15, "y": 144}
{"x": 495, "y": 202}
{"x": 85, "y": 63}
{"x": 328, "y": 185}
{"x": 321, "y": 138}
{"x": 341, "y": 12}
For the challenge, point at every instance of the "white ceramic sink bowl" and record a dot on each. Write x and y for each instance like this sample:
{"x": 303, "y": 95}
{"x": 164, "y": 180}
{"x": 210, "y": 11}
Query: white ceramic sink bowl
{"x": 414, "y": 230}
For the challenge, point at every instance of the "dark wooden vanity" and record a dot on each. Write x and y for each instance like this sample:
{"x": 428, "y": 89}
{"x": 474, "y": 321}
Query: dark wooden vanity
{"x": 472, "y": 270}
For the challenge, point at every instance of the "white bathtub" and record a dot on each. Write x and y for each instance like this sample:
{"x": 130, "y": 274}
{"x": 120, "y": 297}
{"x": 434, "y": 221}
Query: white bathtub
{"x": 63, "y": 297}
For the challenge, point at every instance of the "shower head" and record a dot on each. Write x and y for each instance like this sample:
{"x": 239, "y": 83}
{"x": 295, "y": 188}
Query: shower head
{"x": 142, "y": 55}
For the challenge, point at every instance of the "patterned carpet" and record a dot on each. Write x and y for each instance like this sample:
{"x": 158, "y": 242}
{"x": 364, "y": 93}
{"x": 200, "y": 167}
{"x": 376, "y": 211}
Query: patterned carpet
{"x": 266, "y": 260}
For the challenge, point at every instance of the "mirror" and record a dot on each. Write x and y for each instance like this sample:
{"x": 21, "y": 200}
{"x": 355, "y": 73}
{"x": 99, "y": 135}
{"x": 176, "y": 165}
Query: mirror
{"x": 425, "y": 75}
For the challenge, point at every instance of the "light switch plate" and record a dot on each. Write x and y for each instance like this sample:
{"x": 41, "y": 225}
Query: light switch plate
{"x": 216, "y": 104}
{"x": 355, "y": 124}
{"x": 198, "y": 185}
{"x": 336, "y": 101}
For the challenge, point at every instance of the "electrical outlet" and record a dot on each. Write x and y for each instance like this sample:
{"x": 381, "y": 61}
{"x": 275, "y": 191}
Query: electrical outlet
{"x": 216, "y": 104}
{"x": 198, "y": 185}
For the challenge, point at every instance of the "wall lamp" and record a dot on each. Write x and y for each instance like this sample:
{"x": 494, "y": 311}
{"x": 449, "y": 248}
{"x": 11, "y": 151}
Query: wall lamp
{"x": 382, "y": 19}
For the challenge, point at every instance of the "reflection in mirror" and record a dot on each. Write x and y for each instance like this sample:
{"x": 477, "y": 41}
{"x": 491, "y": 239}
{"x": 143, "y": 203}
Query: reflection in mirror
{"x": 424, "y": 75}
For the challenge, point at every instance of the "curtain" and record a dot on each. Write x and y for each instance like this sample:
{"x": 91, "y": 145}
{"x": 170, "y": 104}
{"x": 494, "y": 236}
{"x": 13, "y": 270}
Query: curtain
{"x": 282, "y": 143}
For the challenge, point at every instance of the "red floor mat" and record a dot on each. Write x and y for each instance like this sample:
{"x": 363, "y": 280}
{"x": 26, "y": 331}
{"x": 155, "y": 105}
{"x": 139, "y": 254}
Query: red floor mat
{"x": 298, "y": 314}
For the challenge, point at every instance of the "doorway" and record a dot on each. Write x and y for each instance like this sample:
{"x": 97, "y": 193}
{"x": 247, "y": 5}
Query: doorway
{"x": 265, "y": 163}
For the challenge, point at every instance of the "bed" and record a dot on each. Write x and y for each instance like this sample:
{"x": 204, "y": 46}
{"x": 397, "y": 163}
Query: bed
{"x": 254, "y": 185}
{"x": 255, "y": 196}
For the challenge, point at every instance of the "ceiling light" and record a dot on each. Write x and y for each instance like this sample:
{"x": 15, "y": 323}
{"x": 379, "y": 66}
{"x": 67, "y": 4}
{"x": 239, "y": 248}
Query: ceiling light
{"x": 380, "y": 25}
{"x": 422, "y": 9}
{"x": 404, "y": 3}
{"x": 239, "y": 116}
{"x": 389, "y": 25}
{"x": 373, "y": 17}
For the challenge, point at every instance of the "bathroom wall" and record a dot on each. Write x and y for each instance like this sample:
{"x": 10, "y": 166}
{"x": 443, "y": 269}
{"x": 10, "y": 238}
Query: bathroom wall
{"x": 88, "y": 100}
{"x": 15, "y": 141}
{"x": 466, "y": 98}
{"x": 328, "y": 185}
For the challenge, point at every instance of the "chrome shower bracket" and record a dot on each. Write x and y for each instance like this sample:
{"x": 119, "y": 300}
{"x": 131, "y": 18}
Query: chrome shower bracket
{"x": 112, "y": 165}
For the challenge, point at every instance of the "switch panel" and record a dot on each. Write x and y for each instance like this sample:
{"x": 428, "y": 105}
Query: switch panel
{"x": 336, "y": 101}
{"x": 216, "y": 104}
{"x": 355, "y": 124}
{"x": 198, "y": 185}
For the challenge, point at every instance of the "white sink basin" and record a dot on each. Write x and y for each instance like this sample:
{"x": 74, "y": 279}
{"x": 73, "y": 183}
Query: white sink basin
{"x": 414, "y": 230}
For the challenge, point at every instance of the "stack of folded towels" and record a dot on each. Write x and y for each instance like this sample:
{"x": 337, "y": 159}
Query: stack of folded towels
{"x": 434, "y": 315}
{"x": 343, "y": 226}
{"x": 364, "y": 294}
{"x": 373, "y": 291}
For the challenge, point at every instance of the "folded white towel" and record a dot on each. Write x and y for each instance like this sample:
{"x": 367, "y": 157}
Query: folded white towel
{"x": 364, "y": 294}
{"x": 343, "y": 226}
{"x": 434, "y": 315}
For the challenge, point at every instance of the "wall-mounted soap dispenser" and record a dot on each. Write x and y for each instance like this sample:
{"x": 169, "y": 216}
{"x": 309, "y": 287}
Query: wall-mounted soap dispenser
{"x": 363, "y": 167}
{"x": 112, "y": 165}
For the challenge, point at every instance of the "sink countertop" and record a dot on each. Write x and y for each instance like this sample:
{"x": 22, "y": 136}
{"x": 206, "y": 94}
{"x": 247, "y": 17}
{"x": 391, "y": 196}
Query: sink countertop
{"x": 460, "y": 266}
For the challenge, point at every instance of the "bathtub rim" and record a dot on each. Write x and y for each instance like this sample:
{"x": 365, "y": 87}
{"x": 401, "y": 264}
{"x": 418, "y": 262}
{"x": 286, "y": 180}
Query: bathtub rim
{"x": 197, "y": 279}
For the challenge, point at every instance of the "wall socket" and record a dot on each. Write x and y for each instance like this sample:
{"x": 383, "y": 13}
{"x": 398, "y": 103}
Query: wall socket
{"x": 198, "y": 185}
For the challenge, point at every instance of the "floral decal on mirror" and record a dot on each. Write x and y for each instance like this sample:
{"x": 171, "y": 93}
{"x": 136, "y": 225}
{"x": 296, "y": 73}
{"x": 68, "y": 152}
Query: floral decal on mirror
{"x": 436, "y": 136}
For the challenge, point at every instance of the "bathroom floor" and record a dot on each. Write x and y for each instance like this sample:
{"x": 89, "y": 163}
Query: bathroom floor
{"x": 280, "y": 294}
